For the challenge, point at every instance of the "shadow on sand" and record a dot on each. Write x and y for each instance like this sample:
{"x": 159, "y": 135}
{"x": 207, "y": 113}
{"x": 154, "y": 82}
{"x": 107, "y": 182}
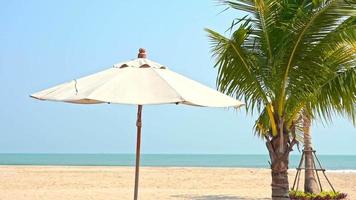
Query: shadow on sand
{"x": 216, "y": 197}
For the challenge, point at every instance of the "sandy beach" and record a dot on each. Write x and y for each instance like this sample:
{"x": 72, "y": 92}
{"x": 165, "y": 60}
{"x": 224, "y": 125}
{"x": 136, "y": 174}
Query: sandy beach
{"x": 179, "y": 183}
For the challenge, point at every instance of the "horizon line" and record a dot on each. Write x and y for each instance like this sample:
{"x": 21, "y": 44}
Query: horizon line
{"x": 119, "y": 153}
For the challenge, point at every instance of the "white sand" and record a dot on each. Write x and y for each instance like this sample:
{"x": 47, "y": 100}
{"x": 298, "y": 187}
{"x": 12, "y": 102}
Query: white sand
{"x": 116, "y": 183}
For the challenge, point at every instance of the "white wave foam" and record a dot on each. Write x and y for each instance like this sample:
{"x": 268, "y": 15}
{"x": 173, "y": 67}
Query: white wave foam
{"x": 341, "y": 171}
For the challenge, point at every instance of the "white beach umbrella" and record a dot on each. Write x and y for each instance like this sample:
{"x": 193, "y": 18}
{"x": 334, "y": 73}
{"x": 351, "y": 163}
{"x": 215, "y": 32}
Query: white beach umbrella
{"x": 140, "y": 82}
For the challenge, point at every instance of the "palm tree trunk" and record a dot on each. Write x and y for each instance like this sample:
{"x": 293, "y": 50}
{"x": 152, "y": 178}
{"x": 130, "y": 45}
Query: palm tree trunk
{"x": 310, "y": 184}
{"x": 279, "y": 156}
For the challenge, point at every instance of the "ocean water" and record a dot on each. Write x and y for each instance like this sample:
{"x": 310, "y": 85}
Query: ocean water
{"x": 333, "y": 162}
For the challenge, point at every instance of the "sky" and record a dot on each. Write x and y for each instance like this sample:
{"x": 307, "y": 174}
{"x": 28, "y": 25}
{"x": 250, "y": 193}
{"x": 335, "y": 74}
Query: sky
{"x": 44, "y": 43}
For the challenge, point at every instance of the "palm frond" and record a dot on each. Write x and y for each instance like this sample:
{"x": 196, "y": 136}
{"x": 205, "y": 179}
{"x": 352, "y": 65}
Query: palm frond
{"x": 312, "y": 23}
{"x": 332, "y": 89}
{"x": 262, "y": 125}
{"x": 286, "y": 56}
{"x": 238, "y": 68}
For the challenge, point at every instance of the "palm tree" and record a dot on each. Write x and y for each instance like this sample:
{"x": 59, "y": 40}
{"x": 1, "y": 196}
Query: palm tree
{"x": 287, "y": 56}
{"x": 310, "y": 183}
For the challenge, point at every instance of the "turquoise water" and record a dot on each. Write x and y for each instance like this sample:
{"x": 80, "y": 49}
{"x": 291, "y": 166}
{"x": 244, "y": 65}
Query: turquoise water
{"x": 336, "y": 162}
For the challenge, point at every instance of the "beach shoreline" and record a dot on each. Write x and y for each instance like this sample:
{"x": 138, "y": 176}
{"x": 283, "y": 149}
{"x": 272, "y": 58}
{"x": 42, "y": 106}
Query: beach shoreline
{"x": 116, "y": 182}
{"x": 193, "y": 167}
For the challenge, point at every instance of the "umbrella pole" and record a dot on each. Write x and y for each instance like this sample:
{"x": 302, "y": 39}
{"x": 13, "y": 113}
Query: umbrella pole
{"x": 138, "y": 147}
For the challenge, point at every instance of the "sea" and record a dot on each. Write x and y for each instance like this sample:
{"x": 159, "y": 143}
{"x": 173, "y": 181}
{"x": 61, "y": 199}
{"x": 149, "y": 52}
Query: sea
{"x": 330, "y": 162}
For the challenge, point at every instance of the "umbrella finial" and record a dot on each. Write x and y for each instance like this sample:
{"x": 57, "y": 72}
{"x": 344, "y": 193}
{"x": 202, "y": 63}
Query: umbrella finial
{"x": 142, "y": 53}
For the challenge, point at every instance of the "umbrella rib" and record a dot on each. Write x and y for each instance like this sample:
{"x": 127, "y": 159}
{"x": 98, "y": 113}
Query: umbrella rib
{"x": 75, "y": 86}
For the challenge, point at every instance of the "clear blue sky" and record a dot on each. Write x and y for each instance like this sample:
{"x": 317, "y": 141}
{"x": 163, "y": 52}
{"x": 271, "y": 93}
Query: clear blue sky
{"x": 43, "y": 43}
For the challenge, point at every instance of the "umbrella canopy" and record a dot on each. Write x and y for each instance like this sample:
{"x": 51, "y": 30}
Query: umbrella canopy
{"x": 139, "y": 81}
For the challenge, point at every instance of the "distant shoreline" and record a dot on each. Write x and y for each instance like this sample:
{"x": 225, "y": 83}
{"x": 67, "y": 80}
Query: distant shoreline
{"x": 187, "y": 154}
{"x": 329, "y": 162}
{"x": 156, "y": 167}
